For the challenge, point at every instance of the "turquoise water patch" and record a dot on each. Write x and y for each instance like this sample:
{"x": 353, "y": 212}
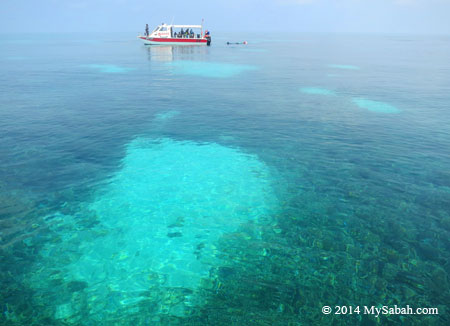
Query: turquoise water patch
{"x": 209, "y": 69}
{"x": 159, "y": 218}
{"x": 227, "y": 138}
{"x": 347, "y": 67}
{"x": 110, "y": 69}
{"x": 375, "y": 106}
{"x": 164, "y": 116}
{"x": 317, "y": 91}
{"x": 161, "y": 120}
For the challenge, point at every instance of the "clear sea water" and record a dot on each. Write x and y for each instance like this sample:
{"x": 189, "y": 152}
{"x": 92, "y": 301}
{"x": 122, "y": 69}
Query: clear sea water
{"x": 223, "y": 185}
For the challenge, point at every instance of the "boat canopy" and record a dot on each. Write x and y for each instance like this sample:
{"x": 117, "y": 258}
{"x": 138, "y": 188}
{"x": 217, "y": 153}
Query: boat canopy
{"x": 185, "y": 26}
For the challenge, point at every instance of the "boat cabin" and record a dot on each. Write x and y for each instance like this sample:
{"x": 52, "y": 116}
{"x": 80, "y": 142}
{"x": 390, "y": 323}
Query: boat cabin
{"x": 178, "y": 31}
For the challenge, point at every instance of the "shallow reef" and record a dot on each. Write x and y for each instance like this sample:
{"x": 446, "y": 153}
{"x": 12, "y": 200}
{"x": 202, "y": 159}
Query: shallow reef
{"x": 338, "y": 249}
{"x": 317, "y": 91}
{"x": 375, "y": 106}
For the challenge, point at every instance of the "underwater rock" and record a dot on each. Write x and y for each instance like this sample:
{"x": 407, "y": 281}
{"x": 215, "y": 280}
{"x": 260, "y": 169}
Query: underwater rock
{"x": 410, "y": 279}
{"x": 355, "y": 252}
{"x": 178, "y": 310}
{"x": 277, "y": 230}
{"x": 76, "y": 286}
{"x": 427, "y": 250}
{"x": 226, "y": 272}
{"x": 392, "y": 256}
{"x": 445, "y": 222}
{"x": 327, "y": 244}
{"x": 64, "y": 311}
{"x": 178, "y": 223}
{"x": 440, "y": 278}
{"x": 174, "y": 234}
{"x": 380, "y": 284}
{"x": 368, "y": 320}
{"x": 17, "y": 220}
{"x": 441, "y": 178}
{"x": 389, "y": 271}
{"x": 408, "y": 293}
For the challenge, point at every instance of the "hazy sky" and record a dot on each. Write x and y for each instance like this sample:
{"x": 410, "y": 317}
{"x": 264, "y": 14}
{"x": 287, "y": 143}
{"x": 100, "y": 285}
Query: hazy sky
{"x": 396, "y": 16}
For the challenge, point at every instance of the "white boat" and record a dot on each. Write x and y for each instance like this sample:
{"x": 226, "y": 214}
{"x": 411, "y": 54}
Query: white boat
{"x": 177, "y": 35}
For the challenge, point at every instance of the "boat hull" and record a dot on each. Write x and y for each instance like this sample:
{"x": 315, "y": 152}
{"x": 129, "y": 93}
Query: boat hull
{"x": 173, "y": 41}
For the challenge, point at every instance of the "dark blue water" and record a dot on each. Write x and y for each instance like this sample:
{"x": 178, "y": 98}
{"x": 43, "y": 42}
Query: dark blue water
{"x": 223, "y": 185}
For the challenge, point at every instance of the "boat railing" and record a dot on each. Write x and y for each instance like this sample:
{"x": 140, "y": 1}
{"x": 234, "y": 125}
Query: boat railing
{"x": 184, "y": 35}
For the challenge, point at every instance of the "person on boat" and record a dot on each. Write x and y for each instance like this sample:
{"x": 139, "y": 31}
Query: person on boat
{"x": 207, "y": 34}
{"x": 182, "y": 33}
{"x": 146, "y": 29}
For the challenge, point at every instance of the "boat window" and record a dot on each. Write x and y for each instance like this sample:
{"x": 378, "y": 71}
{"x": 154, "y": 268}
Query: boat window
{"x": 163, "y": 29}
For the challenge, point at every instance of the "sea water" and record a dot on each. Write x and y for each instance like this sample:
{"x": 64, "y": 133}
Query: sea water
{"x": 223, "y": 185}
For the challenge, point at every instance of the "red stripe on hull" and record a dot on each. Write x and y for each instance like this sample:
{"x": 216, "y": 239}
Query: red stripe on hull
{"x": 174, "y": 40}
